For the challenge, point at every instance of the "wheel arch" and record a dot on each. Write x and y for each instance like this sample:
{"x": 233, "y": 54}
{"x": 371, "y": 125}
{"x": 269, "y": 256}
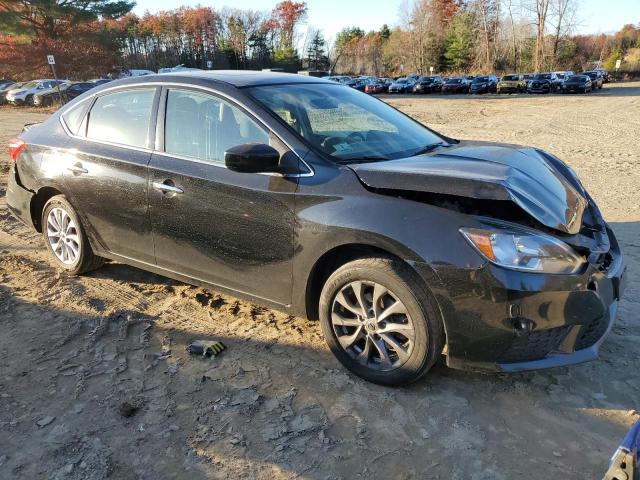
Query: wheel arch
{"x": 38, "y": 202}
{"x": 333, "y": 259}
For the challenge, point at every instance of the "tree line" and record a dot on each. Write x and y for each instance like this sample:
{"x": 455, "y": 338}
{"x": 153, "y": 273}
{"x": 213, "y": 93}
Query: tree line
{"x": 484, "y": 36}
{"x": 97, "y": 37}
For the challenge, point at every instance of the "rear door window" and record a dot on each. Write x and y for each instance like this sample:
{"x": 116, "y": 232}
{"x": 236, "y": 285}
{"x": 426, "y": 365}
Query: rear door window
{"x": 203, "y": 127}
{"x": 122, "y": 117}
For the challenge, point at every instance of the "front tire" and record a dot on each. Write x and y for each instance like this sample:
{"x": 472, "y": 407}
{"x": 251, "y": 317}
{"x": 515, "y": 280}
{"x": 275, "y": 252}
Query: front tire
{"x": 66, "y": 239}
{"x": 380, "y": 321}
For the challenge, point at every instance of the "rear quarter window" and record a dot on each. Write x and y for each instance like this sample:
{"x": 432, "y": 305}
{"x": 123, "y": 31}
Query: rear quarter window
{"x": 73, "y": 117}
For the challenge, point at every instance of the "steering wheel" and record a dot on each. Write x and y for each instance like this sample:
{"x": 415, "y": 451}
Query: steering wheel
{"x": 354, "y": 137}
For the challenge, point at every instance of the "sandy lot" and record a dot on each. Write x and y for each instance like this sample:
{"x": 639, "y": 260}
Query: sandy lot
{"x": 95, "y": 381}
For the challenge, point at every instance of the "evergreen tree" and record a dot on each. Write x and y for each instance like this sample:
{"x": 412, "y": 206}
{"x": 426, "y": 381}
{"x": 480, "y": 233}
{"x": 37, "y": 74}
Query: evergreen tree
{"x": 51, "y": 18}
{"x": 316, "y": 53}
{"x": 458, "y": 53}
{"x": 385, "y": 33}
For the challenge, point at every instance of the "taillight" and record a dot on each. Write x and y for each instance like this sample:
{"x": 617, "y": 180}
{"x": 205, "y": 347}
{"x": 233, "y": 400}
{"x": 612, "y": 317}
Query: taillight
{"x": 16, "y": 145}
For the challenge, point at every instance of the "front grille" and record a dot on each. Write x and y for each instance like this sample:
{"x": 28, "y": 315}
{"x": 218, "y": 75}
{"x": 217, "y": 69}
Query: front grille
{"x": 591, "y": 333}
{"x": 534, "y": 345}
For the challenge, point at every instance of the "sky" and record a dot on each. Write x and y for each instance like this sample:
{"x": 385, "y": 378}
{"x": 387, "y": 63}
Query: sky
{"x": 331, "y": 16}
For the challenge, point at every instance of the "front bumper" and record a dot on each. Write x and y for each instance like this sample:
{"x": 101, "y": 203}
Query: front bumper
{"x": 509, "y": 321}
{"x": 477, "y": 90}
{"x": 546, "y": 88}
{"x": 509, "y": 89}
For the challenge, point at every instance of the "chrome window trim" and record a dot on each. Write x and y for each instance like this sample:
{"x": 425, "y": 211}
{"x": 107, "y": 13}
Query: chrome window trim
{"x": 153, "y": 151}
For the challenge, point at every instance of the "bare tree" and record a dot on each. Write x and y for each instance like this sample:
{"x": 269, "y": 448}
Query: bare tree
{"x": 541, "y": 11}
{"x": 563, "y": 12}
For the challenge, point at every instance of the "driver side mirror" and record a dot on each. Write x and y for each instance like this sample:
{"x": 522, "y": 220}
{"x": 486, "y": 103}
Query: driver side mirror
{"x": 252, "y": 158}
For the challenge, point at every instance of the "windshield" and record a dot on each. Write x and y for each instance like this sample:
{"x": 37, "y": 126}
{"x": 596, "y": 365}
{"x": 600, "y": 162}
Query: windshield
{"x": 510, "y": 78}
{"x": 543, "y": 76}
{"x": 29, "y": 85}
{"x": 593, "y": 75}
{"x": 480, "y": 79}
{"x": 346, "y": 124}
{"x": 452, "y": 81}
{"x": 578, "y": 78}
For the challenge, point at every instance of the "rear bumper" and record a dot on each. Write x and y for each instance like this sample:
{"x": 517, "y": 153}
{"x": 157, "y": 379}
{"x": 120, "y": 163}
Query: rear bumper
{"x": 508, "y": 321}
{"x": 19, "y": 199}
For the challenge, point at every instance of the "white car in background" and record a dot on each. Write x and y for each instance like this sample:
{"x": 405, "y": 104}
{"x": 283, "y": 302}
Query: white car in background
{"x": 133, "y": 72}
{"x": 25, "y": 93}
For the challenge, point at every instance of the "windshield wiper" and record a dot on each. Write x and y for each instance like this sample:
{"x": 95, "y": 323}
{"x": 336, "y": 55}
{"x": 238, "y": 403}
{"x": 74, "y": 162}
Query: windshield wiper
{"x": 365, "y": 159}
{"x": 426, "y": 148}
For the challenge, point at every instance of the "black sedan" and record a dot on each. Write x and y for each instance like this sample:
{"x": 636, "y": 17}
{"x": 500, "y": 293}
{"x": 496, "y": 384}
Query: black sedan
{"x": 596, "y": 77}
{"x": 484, "y": 84}
{"x": 577, "y": 84}
{"x": 544, "y": 83}
{"x": 319, "y": 200}
{"x": 428, "y": 85}
{"x": 68, "y": 91}
{"x": 456, "y": 85}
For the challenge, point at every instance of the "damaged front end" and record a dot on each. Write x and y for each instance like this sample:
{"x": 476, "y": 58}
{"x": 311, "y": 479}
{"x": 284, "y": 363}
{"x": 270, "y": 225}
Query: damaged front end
{"x": 548, "y": 291}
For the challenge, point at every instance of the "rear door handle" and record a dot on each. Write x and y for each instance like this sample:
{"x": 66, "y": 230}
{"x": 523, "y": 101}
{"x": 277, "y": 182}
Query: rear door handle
{"x": 77, "y": 169}
{"x": 167, "y": 187}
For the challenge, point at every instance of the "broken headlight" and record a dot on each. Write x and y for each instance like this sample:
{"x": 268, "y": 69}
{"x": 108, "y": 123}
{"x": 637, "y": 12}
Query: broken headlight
{"x": 522, "y": 249}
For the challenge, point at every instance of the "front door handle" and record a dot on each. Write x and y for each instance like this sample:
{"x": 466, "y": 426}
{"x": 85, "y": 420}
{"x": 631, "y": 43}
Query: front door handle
{"x": 77, "y": 168}
{"x": 167, "y": 187}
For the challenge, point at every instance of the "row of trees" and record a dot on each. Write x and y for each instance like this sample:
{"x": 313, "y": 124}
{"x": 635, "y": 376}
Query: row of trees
{"x": 95, "y": 37}
{"x": 481, "y": 36}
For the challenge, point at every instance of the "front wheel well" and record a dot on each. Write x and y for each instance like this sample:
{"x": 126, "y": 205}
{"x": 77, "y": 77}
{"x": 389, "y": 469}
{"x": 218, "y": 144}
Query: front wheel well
{"x": 38, "y": 202}
{"x": 328, "y": 263}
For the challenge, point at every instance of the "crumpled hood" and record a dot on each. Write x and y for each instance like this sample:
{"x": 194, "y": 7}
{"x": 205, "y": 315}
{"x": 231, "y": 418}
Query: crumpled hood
{"x": 528, "y": 177}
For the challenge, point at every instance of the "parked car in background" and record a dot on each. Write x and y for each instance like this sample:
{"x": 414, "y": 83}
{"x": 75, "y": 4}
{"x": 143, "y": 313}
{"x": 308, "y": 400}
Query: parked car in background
{"x": 428, "y": 85}
{"x": 135, "y": 72}
{"x": 456, "y": 85}
{"x": 5, "y": 89}
{"x": 577, "y": 84}
{"x": 514, "y": 83}
{"x": 360, "y": 83}
{"x": 68, "y": 91}
{"x": 4, "y": 83}
{"x": 378, "y": 86}
{"x": 177, "y": 68}
{"x": 563, "y": 75}
{"x": 404, "y": 243}
{"x": 339, "y": 78}
{"x": 100, "y": 81}
{"x": 484, "y": 84}
{"x": 24, "y": 94}
{"x": 544, "y": 83}
{"x": 603, "y": 73}
{"x": 596, "y": 79}
{"x": 401, "y": 85}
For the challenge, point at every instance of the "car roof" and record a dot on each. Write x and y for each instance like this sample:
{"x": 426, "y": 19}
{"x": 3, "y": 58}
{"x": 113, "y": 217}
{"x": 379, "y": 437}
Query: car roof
{"x": 237, "y": 78}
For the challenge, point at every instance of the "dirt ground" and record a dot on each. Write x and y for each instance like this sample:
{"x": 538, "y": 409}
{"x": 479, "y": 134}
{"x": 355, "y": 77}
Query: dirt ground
{"x": 95, "y": 381}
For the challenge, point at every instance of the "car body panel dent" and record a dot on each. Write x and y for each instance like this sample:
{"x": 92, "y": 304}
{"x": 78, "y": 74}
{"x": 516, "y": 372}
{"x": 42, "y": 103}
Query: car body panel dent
{"x": 487, "y": 171}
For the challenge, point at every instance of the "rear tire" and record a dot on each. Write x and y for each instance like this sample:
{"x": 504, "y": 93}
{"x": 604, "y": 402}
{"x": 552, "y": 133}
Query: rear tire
{"x": 393, "y": 348}
{"x": 66, "y": 239}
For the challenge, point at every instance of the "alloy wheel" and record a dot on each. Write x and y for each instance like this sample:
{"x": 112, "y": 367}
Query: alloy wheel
{"x": 63, "y": 236}
{"x": 372, "y": 325}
